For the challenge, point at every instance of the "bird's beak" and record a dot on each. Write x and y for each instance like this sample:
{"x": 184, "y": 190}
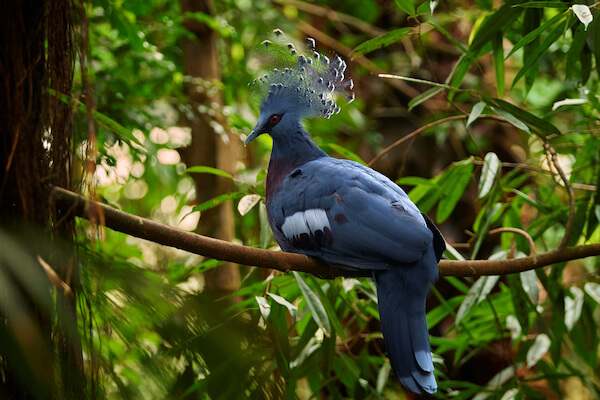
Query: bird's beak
{"x": 253, "y": 135}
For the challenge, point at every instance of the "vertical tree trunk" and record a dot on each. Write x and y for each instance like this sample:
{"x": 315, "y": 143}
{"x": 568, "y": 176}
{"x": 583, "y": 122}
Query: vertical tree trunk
{"x": 40, "y": 351}
{"x": 208, "y": 147}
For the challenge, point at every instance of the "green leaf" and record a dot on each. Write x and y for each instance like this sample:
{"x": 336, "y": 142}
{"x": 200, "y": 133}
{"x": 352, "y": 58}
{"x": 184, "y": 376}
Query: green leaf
{"x": 423, "y": 97}
{"x": 478, "y": 292}
{"x": 331, "y": 314}
{"x": 215, "y": 201}
{"x": 493, "y": 26}
{"x": 266, "y": 234}
{"x": 543, "y": 127}
{"x": 540, "y": 50}
{"x": 574, "y": 52}
{"x": 382, "y": 377}
{"x": 489, "y": 173}
{"x": 573, "y": 307}
{"x": 534, "y": 34}
{"x": 208, "y": 170}
{"x": 530, "y": 284}
{"x": 540, "y": 347}
{"x": 498, "y": 55}
{"x": 314, "y": 304}
{"x": 511, "y": 119}
{"x": 451, "y": 38}
{"x": 407, "y": 6}
{"x": 452, "y": 186}
{"x": 345, "y": 152}
{"x": 382, "y": 41}
{"x": 544, "y": 4}
{"x": 475, "y": 112}
{"x": 291, "y": 308}
{"x": 596, "y": 41}
{"x": 521, "y": 302}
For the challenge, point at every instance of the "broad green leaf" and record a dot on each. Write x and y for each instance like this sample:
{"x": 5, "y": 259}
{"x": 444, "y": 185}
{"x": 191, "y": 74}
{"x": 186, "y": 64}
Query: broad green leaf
{"x": 489, "y": 173}
{"x": 534, "y": 34}
{"x": 475, "y": 112}
{"x": 573, "y": 307}
{"x": 540, "y": 50}
{"x": 314, "y": 304}
{"x": 423, "y": 97}
{"x": 291, "y": 308}
{"x": 215, "y": 201}
{"x": 247, "y": 203}
{"x": 540, "y": 347}
{"x": 208, "y": 170}
{"x": 498, "y": 56}
{"x": 382, "y": 41}
{"x": 345, "y": 152}
{"x": 407, "y": 6}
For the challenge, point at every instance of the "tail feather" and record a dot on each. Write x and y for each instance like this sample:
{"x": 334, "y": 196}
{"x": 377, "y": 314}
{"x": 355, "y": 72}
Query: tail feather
{"x": 402, "y": 291}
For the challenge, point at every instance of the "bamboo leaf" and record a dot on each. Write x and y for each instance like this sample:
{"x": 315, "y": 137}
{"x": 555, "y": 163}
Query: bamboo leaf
{"x": 452, "y": 186}
{"x": 423, "y": 97}
{"x": 543, "y": 127}
{"x": 540, "y": 347}
{"x": 345, "y": 152}
{"x": 328, "y": 306}
{"x": 489, "y": 173}
{"x": 215, "y": 201}
{"x": 451, "y": 38}
{"x": 407, "y": 6}
{"x": 540, "y": 50}
{"x": 475, "y": 112}
{"x": 544, "y": 4}
{"x": 382, "y": 41}
{"x": 530, "y": 284}
{"x": 498, "y": 56}
{"x": 493, "y": 26}
{"x": 291, "y": 308}
{"x": 314, "y": 304}
{"x": 573, "y": 307}
{"x": 534, "y": 34}
{"x": 263, "y": 305}
{"x": 208, "y": 170}
{"x": 573, "y": 55}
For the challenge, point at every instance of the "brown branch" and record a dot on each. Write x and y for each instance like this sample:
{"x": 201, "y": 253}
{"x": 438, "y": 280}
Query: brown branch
{"x": 519, "y": 232}
{"x": 222, "y": 250}
{"x": 425, "y": 127}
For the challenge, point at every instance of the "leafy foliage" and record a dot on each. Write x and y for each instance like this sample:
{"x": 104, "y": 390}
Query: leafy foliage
{"x": 154, "y": 332}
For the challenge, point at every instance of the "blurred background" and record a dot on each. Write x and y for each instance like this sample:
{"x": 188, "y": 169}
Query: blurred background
{"x": 492, "y": 117}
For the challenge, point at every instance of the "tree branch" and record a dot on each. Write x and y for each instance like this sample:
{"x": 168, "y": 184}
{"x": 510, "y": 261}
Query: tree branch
{"x": 222, "y": 250}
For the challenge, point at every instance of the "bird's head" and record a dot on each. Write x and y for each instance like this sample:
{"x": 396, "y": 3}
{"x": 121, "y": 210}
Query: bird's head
{"x": 307, "y": 85}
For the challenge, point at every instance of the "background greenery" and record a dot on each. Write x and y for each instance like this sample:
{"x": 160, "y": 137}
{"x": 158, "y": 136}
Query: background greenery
{"x": 151, "y": 331}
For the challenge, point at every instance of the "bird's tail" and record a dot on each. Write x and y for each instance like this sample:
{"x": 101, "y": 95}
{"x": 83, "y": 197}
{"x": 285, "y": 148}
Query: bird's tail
{"x": 402, "y": 291}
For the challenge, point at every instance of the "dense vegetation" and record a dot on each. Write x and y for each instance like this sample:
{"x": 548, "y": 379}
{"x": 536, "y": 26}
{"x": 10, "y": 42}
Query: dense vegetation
{"x": 508, "y": 166}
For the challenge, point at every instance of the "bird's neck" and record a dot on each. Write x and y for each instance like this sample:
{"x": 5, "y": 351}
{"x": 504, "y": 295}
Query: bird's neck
{"x": 289, "y": 152}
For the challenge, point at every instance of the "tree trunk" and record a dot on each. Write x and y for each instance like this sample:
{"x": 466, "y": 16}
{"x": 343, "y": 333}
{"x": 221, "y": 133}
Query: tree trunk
{"x": 209, "y": 148}
{"x": 40, "y": 352}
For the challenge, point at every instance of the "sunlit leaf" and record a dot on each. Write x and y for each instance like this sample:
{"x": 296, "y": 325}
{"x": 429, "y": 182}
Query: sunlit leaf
{"x": 208, "y": 170}
{"x": 540, "y": 347}
{"x": 314, "y": 304}
{"x": 573, "y": 307}
{"x": 247, "y": 203}
{"x": 263, "y": 304}
{"x": 216, "y": 201}
{"x": 291, "y": 308}
{"x": 583, "y": 13}
{"x": 489, "y": 173}
{"x": 475, "y": 112}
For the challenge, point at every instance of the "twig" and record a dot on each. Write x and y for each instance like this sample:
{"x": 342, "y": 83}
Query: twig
{"x": 222, "y": 250}
{"x": 519, "y": 232}
{"x": 554, "y": 157}
{"x": 425, "y": 127}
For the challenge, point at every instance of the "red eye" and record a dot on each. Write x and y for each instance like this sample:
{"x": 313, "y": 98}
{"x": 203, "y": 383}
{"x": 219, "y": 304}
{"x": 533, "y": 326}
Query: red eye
{"x": 274, "y": 119}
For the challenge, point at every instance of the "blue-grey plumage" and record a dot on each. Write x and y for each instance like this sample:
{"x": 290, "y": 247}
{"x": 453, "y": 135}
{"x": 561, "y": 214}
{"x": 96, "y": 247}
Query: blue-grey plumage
{"x": 349, "y": 215}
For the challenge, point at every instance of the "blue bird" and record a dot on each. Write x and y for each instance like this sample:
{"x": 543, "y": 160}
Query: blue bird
{"x": 344, "y": 213}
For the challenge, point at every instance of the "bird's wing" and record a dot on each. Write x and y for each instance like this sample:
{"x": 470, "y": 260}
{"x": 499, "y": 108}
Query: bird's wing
{"x": 345, "y": 213}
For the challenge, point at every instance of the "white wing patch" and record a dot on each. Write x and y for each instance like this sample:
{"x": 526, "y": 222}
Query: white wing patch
{"x": 308, "y": 222}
